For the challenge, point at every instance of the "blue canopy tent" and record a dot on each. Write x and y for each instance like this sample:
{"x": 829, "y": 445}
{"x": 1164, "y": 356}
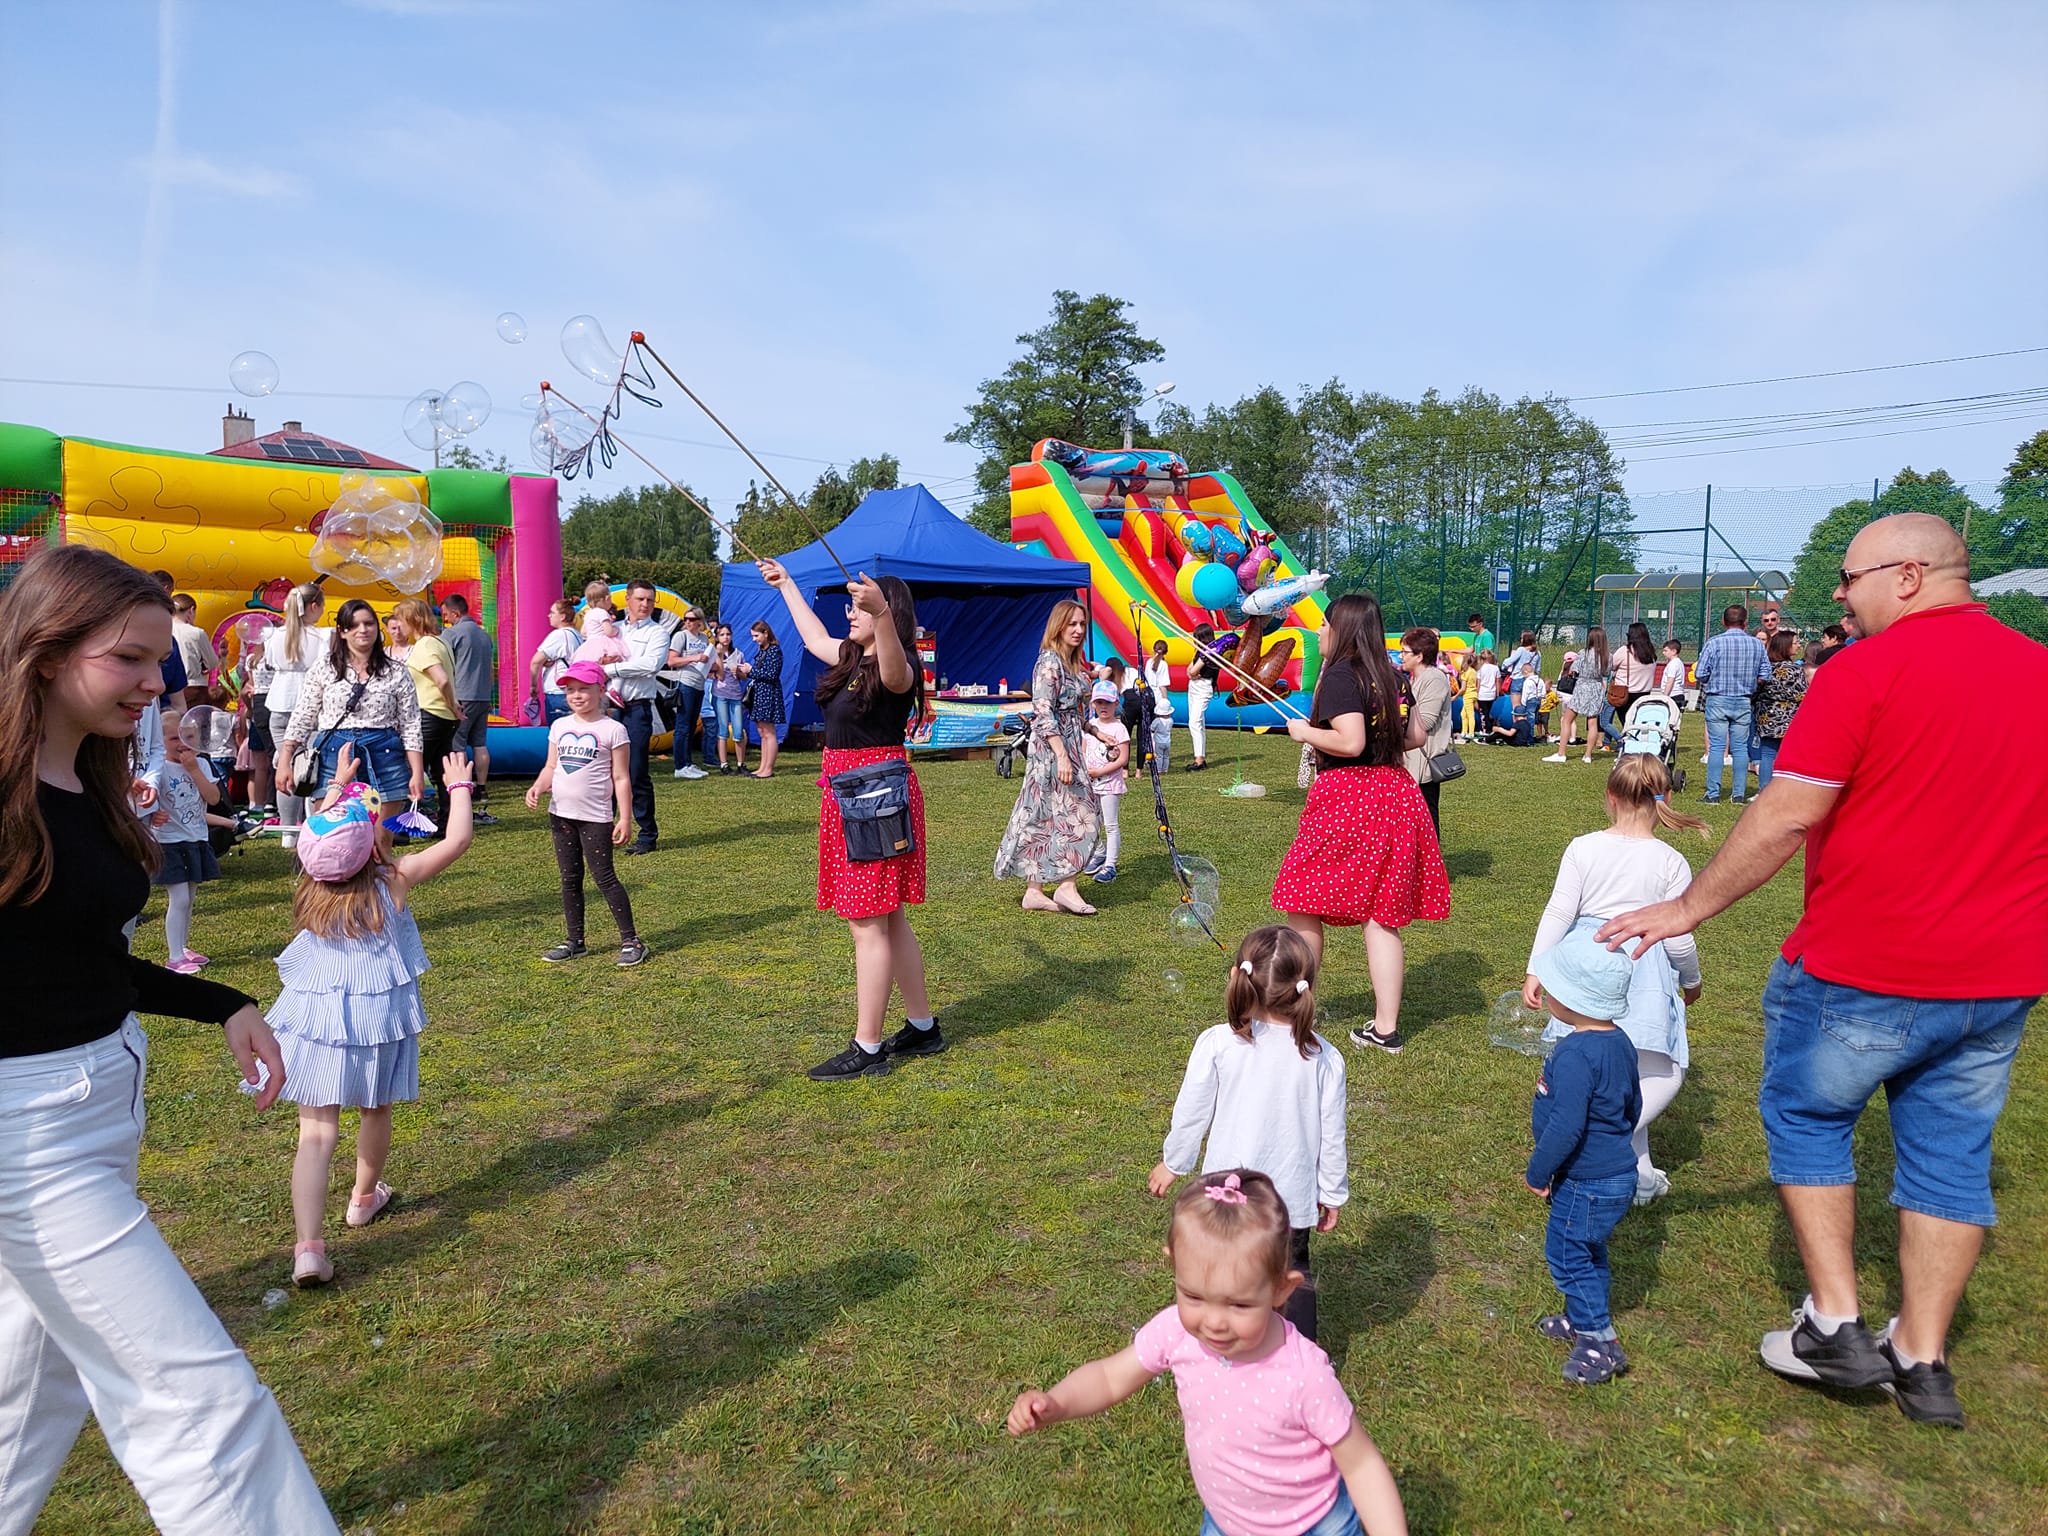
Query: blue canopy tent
{"x": 986, "y": 603}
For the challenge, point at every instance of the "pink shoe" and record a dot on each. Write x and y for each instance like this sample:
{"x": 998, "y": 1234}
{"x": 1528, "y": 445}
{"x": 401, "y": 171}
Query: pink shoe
{"x": 197, "y": 958}
{"x": 310, "y": 1266}
{"x": 185, "y": 967}
{"x": 362, "y": 1212}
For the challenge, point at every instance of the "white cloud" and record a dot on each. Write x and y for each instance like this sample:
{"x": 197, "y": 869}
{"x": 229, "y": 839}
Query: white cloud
{"x": 182, "y": 169}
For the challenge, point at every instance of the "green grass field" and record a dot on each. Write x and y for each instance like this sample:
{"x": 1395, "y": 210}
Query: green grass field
{"x": 645, "y": 1277}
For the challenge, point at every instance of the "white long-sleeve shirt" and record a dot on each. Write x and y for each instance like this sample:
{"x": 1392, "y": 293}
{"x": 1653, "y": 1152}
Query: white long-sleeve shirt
{"x": 1262, "y": 1105}
{"x": 1605, "y": 874}
{"x": 646, "y": 654}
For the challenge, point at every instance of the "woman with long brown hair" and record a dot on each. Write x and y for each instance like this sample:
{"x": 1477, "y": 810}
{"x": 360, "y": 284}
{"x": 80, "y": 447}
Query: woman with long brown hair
{"x": 1366, "y": 853}
{"x": 869, "y": 692}
{"x": 96, "y": 1313}
{"x": 1054, "y": 825}
{"x": 355, "y": 695}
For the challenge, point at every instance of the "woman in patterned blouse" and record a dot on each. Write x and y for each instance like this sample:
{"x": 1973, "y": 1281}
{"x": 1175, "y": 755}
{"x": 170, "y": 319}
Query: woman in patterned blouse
{"x": 357, "y": 693}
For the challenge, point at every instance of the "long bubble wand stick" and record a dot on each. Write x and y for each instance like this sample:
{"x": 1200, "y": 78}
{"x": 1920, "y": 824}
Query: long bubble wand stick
{"x": 681, "y": 490}
{"x": 1222, "y": 659}
{"x": 639, "y": 339}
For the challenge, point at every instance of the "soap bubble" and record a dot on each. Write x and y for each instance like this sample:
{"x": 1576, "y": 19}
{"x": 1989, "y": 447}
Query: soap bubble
{"x": 1205, "y": 881}
{"x": 1186, "y": 925}
{"x": 589, "y": 352}
{"x": 464, "y": 408}
{"x": 558, "y": 437}
{"x": 378, "y": 531}
{"x": 207, "y": 731}
{"x": 1175, "y": 982}
{"x": 253, "y": 373}
{"x": 530, "y": 402}
{"x": 421, "y": 419}
{"x": 274, "y": 1298}
{"x": 511, "y": 328}
{"x": 1514, "y": 1026}
{"x": 250, "y": 628}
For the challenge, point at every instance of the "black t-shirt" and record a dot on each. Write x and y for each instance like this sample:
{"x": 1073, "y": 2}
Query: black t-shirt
{"x": 70, "y": 977}
{"x": 876, "y": 721}
{"x": 1828, "y": 653}
{"x": 1340, "y": 692}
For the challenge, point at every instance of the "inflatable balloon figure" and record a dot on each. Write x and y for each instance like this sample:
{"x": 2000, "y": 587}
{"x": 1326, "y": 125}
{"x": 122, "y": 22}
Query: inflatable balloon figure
{"x": 1266, "y": 668}
{"x": 378, "y": 530}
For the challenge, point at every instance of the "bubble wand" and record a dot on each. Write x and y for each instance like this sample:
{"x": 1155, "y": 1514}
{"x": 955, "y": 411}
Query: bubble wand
{"x": 1220, "y": 658}
{"x": 1180, "y": 874}
{"x": 639, "y": 340}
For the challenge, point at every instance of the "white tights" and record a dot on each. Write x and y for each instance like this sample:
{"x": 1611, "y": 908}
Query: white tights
{"x": 1661, "y": 1078}
{"x": 1112, "y": 833}
{"x": 178, "y": 918}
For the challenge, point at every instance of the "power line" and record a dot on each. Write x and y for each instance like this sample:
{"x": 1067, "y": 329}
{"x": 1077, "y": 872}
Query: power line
{"x": 1793, "y": 378}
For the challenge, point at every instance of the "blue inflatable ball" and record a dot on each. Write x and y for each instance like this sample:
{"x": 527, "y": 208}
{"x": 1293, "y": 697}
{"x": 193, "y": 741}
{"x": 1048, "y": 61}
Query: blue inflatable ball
{"x": 1194, "y": 536}
{"x": 1215, "y": 586}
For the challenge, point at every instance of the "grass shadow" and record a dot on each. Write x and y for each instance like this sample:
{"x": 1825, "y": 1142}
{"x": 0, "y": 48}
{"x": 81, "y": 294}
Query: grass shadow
{"x": 1053, "y": 982}
{"x": 1469, "y": 863}
{"x": 421, "y": 1223}
{"x": 717, "y": 927}
{"x": 1375, "y": 1281}
{"x": 1430, "y": 1500}
{"x": 1450, "y": 985}
{"x": 548, "y": 1464}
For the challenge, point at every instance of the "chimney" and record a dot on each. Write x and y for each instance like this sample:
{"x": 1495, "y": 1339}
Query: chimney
{"x": 294, "y": 426}
{"x": 236, "y": 428}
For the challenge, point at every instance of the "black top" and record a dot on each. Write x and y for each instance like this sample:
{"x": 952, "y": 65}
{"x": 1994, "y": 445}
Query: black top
{"x": 70, "y": 977}
{"x": 876, "y": 721}
{"x": 1828, "y": 653}
{"x": 1339, "y": 692}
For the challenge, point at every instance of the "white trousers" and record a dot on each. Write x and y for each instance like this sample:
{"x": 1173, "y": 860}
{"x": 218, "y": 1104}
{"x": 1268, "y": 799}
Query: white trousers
{"x": 97, "y": 1315}
{"x": 1112, "y": 833}
{"x": 1200, "y": 691}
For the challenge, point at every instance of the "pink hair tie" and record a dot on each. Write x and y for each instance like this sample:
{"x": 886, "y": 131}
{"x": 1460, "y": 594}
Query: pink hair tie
{"x": 1226, "y": 1193}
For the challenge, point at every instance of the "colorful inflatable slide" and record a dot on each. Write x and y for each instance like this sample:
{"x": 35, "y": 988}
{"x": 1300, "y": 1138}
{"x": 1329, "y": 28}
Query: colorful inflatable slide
{"x": 1165, "y": 544}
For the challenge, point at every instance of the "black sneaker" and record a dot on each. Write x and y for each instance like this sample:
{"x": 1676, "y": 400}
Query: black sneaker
{"x": 912, "y": 1041}
{"x": 631, "y": 954}
{"x": 851, "y": 1062}
{"x": 1849, "y": 1357}
{"x": 483, "y": 819}
{"x": 1390, "y": 1042}
{"x": 565, "y": 951}
{"x": 1925, "y": 1393}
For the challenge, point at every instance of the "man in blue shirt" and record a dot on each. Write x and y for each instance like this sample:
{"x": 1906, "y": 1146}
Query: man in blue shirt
{"x": 1730, "y": 666}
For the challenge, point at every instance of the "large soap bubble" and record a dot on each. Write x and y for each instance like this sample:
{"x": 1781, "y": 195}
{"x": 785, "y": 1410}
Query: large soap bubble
{"x": 558, "y": 439}
{"x": 1188, "y": 925}
{"x": 208, "y": 731}
{"x": 1514, "y": 1026}
{"x": 253, "y": 373}
{"x": 589, "y": 352}
{"x": 378, "y": 530}
{"x": 421, "y": 419}
{"x": 464, "y": 408}
{"x": 1205, "y": 882}
{"x": 511, "y": 328}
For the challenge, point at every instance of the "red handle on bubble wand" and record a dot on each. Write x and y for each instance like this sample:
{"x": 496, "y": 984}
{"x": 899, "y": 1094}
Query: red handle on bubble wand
{"x": 681, "y": 490}
{"x": 639, "y": 339}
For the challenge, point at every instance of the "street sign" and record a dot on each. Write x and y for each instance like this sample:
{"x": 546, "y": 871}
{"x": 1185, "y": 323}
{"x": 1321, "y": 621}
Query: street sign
{"x": 1503, "y": 584}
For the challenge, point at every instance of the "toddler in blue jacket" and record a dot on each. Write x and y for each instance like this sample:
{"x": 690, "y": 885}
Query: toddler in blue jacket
{"x": 1583, "y": 1119}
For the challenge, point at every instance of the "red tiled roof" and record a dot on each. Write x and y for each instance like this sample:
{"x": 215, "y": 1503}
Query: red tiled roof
{"x": 296, "y": 447}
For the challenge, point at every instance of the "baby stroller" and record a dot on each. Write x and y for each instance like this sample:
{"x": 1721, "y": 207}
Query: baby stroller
{"x": 1013, "y": 729}
{"x": 1652, "y": 726}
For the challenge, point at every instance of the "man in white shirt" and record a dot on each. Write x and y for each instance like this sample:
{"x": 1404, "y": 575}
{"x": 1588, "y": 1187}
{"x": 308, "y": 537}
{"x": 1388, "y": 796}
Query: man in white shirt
{"x": 690, "y": 650}
{"x": 637, "y": 680}
{"x": 195, "y": 649}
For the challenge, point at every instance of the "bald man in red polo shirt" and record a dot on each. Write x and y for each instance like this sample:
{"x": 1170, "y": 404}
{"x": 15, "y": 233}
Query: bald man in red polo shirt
{"x": 1923, "y": 945}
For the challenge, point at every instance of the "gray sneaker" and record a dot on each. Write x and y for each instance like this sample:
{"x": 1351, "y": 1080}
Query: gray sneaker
{"x": 1848, "y": 1357}
{"x": 691, "y": 771}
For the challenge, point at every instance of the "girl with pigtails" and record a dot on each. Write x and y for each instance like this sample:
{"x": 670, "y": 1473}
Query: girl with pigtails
{"x": 1266, "y": 1091}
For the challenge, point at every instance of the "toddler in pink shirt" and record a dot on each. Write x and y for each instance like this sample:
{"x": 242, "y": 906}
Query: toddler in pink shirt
{"x": 1272, "y": 1442}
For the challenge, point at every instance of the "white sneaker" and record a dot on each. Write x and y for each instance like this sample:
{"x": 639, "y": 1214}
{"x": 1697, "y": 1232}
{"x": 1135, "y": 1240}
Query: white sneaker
{"x": 288, "y": 840}
{"x": 1557, "y": 757}
{"x": 692, "y": 772}
{"x": 1654, "y": 1185}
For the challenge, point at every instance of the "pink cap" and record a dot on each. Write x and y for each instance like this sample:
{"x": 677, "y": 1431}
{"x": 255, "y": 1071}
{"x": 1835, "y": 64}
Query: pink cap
{"x": 337, "y": 842}
{"x": 589, "y": 673}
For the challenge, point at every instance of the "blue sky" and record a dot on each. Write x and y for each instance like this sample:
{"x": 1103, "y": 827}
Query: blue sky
{"x": 834, "y": 218}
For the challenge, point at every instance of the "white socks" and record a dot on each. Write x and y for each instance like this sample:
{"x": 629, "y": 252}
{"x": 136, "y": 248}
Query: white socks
{"x": 923, "y": 1023}
{"x": 1822, "y": 1323}
{"x": 872, "y": 1050}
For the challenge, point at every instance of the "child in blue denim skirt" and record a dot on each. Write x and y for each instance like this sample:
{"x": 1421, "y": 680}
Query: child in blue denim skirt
{"x": 1583, "y": 1119}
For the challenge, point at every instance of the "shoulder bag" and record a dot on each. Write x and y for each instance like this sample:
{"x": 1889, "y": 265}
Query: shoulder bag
{"x": 1446, "y": 765}
{"x": 874, "y": 810}
{"x": 306, "y": 763}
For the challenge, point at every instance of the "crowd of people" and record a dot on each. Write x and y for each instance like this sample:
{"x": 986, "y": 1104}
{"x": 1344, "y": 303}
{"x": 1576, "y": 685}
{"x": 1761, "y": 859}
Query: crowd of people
{"x": 1919, "y": 988}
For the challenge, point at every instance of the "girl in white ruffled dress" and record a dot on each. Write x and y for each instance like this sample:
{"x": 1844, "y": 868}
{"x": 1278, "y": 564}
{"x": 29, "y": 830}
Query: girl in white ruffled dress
{"x": 349, "y": 1018}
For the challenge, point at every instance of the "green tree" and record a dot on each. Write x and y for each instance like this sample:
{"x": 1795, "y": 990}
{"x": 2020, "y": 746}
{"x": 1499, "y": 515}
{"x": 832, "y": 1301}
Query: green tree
{"x": 2018, "y": 538}
{"x": 1077, "y": 380}
{"x": 2021, "y": 611}
{"x": 462, "y": 456}
{"x": 1265, "y": 443}
{"x": 1817, "y": 571}
{"x": 769, "y": 525}
{"x": 653, "y": 522}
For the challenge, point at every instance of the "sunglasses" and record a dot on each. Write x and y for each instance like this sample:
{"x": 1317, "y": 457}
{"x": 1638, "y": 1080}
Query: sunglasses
{"x": 1849, "y": 577}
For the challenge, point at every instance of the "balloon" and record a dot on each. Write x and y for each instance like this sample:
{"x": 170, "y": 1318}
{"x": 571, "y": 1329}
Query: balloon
{"x": 511, "y": 328}
{"x": 589, "y": 353}
{"x": 1213, "y": 586}
{"x": 1513, "y": 1026}
{"x": 1283, "y": 595}
{"x": 1184, "y": 581}
{"x": 1226, "y": 545}
{"x": 1194, "y": 535}
{"x": 421, "y": 419}
{"x": 206, "y": 730}
{"x": 464, "y": 408}
{"x": 253, "y": 373}
{"x": 378, "y": 531}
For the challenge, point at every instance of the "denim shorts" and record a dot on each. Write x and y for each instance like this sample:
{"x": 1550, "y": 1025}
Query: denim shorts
{"x": 380, "y": 758}
{"x": 1342, "y": 1519}
{"x": 1944, "y": 1065}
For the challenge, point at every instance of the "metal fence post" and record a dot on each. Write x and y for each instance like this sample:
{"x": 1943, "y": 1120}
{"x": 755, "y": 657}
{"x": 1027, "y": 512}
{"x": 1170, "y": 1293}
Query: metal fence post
{"x": 1706, "y": 546}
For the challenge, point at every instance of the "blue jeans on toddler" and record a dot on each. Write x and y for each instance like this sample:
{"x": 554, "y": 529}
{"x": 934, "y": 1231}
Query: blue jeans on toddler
{"x": 1729, "y": 719}
{"x": 1582, "y": 1214}
{"x": 1944, "y": 1065}
{"x": 1342, "y": 1520}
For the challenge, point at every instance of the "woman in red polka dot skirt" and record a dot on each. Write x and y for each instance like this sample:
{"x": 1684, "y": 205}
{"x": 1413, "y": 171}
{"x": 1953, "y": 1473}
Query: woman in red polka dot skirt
{"x": 868, "y": 692}
{"x": 1365, "y": 853}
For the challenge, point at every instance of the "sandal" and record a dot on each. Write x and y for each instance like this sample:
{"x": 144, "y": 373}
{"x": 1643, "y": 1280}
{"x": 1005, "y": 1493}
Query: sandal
{"x": 362, "y": 1212}
{"x": 1593, "y": 1361}
{"x": 1556, "y": 1326}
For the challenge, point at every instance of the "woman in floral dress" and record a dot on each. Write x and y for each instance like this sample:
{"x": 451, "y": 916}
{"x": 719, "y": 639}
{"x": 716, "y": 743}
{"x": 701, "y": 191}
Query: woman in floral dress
{"x": 1055, "y": 824}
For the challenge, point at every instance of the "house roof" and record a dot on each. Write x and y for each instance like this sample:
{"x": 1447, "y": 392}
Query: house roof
{"x": 2034, "y": 580}
{"x": 299, "y": 447}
